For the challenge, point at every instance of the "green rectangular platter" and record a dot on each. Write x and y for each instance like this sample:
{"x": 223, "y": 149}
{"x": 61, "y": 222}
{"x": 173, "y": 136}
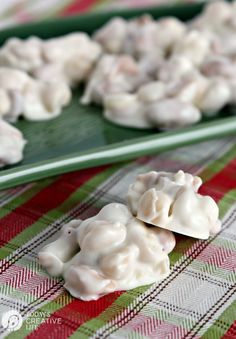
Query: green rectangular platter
{"x": 80, "y": 137}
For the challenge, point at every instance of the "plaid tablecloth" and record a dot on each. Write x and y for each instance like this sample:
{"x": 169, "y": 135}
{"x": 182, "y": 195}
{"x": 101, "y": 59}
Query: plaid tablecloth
{"x": 197, "y": 300}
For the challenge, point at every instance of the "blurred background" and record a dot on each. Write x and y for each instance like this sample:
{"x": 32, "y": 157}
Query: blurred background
{"x": 16, "y": 11}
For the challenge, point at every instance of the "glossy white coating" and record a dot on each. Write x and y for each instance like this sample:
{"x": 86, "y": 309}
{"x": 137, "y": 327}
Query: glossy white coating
{"x": 75, "y": 54}
{"x": 25, "y": 55}
{"x": 174, "y": 68}
{"x": 196, "y": 60}
{"x": 113, "y": 74}
{"x": 172, "y": 113}
{"x": 12, "y": 144}
{"x": 35, "y": 100}
{"x": 117, "y": 252}
{"x": 54, "y": 255}
{"x": 172, "y": 201}
{"x": 69, "y": 58}
{"x": 140, "y": 36}
{"x": 151, "y": 106}
{"x": 193, "y": 46}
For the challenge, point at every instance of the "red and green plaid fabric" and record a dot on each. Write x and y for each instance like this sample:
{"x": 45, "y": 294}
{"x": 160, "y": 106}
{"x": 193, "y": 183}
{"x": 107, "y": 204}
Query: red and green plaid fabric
{"x": 197, "y": 300}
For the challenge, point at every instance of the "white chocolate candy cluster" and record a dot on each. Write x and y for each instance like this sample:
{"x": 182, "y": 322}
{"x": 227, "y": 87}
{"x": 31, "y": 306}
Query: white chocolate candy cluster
{"x": 113, "y": 74}
{"x": 11, "y": 144}
{"x": 152, "y": 106}
{"x": 35, "y": 100}
{"x": 176, "y": 103}
{"x": 21, "y": 95}
{"x": 52, "y": 67}
{"x": 140, "y": 36}
{"x": 67, "y": 59}
{"x": 171, "y": 201}
{"x": 194, "y": 61}
{"x": 115, "y": 250}
{"x": 145, "y": 73}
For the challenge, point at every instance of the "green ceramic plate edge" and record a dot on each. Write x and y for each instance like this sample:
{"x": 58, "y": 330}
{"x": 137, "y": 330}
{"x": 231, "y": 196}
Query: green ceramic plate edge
{"x": 118, "y": 151}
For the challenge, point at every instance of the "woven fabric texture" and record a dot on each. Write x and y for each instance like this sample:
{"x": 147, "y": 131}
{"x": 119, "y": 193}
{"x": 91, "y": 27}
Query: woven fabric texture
{"x": 197, "y": 300}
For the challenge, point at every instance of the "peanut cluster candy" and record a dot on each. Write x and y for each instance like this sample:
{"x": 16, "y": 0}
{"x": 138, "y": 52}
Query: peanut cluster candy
{"x": 140, "y": 36}
{"x": 171, "y": 201}
{"x": 151, "y": 106}
{"x": 113, "y": 74}
{"x": 117, "y": 252}
{"x": 68, "y": 58}
{"x": 35, "y": 100}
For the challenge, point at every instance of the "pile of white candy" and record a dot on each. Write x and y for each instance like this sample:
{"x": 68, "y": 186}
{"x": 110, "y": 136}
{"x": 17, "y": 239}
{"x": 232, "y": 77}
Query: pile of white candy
{"x": 117, "y": 250}
{"x": 191, "y": 67}
{"x": 145, "y": 73}
{"x": 36, "y": 77}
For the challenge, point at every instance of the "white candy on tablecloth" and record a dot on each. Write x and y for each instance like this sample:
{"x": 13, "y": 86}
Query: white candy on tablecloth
{"x": 117, "y": 252}
{"x": 171, "y": 201}
{"x": 54, "y": 255}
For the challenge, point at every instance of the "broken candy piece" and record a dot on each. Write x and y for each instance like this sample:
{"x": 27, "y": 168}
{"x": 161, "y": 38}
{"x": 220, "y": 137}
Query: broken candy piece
{"x": 171, "y": 201}
{"x": 12, "y": 144}
{"x": 149, "y": 180}
{"x": 117, "y": 252}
